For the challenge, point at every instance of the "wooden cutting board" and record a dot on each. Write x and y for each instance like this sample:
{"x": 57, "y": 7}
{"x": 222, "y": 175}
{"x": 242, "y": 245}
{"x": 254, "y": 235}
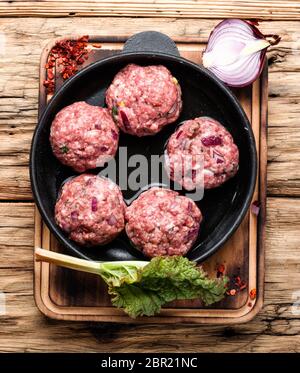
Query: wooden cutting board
{"x": 68, "y": 295}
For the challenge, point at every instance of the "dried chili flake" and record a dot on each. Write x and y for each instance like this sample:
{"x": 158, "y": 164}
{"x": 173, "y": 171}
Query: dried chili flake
{"x": 49, "y": 85}
{"x": 220, "y": 270}
{"x": 68, "y": 55}
{"x": 241, "y": 285}
{"x": 252, "y": 294}
{"x": 231, "y": 292}
{"x": 235, "y": 285}
{"x": 80, "y": 61}
{"x": 97, "y": 45}
{"x": 249, "y": 304}
{"x": 237, "y": 280}
{"x": 50, "y": 74}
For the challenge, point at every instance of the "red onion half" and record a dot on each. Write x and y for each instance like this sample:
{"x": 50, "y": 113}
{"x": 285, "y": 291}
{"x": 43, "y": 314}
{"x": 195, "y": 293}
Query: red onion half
{"x": 236, "y": 52}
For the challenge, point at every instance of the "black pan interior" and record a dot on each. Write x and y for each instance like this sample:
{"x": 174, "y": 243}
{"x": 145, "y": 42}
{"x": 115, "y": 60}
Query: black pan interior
{"x": 223, "y": 208}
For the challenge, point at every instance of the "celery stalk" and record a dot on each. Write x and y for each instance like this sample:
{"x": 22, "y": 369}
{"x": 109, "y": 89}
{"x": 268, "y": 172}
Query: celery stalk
{"x": 113, "y": 273}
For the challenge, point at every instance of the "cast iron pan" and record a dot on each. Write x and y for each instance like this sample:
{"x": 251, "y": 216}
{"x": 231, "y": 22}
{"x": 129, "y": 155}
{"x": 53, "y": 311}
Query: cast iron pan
{"x": 223, "y": 208}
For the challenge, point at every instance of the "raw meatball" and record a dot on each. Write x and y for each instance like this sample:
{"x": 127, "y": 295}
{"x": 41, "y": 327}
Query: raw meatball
{"x": 208, "y": 138}
{"x": 143, "y": 99}
{"x": 84, "y": 136}
{"x": 160, "y": 222}
{"x": 90, "y": 209}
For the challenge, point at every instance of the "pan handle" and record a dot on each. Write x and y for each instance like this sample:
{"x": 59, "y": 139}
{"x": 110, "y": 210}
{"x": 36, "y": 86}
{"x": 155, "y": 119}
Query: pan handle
{"x": 151, "y": 41}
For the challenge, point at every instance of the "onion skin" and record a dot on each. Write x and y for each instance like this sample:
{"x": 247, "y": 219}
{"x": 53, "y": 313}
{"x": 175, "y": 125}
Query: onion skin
{"x": 255, "y": 207}
{"x": 236, "y": 52}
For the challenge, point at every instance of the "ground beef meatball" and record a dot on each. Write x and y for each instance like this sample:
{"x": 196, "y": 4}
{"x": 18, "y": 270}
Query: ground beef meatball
{"x": 83, "y": 136}
{"x": 208, "y": 138}
{"x": 161, "y": 222}
{"x": 143, "y": 99}
{"x": 90, "y": 209}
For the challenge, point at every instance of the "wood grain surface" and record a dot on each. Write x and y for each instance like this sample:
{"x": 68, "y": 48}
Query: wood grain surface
{"x": 284, "y": 9}
{"x": 19, "y": 91}
{"x": 276, "y": 328}
{"x": 23, "y": 328}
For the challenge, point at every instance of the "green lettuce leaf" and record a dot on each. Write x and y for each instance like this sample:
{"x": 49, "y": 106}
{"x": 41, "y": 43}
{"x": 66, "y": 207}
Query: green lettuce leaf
{"x": 115, "y": 274}
{"x": 163, "y": 280}
{"x": 142, "y": 288}
{"x": 136, "y": 300}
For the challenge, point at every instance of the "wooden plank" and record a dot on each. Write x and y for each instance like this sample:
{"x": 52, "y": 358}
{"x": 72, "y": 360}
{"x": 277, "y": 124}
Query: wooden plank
{"x": 14, "y": 182}
{"x": 276, "y": 328}
{"x": 267, "y": 10}
{"x": 19, "y": 90}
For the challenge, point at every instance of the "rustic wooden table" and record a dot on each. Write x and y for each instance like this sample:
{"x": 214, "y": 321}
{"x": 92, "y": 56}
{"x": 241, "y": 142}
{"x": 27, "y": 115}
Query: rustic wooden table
{"x": 25, "y": 27}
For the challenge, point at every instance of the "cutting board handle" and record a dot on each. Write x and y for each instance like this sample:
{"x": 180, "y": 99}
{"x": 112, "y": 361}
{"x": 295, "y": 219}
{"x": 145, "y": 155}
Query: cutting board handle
{"x": 151, "y": 41}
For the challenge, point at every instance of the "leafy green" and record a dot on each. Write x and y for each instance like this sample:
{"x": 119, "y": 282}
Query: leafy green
{"x": 142, "y": 288}
{"x": 115, "y": 111}
{"x": 64, "y": 149}
{"x": 164, "y": 280}
{"x": 136, "y": 300}
{"x": 115, "y": 274}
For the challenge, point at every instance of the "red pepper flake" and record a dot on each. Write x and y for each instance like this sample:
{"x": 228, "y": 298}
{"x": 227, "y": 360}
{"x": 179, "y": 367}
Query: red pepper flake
{"x": 220, "y": 270}
{"x": 49, "y": 85}
{"x": 80, "y": 61}
{"x": 97, "y": 45}
{"x": 50, "y": 74}
{"x": 236, "y": 284}
{"x": 252, "y": 294}
{"x": 237, "y": 280}
{"x": 241, "y": 285}
{"x": 249, "y": 304}
{"x": 231, "y": 292}
{"x": 68, "y": 55}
